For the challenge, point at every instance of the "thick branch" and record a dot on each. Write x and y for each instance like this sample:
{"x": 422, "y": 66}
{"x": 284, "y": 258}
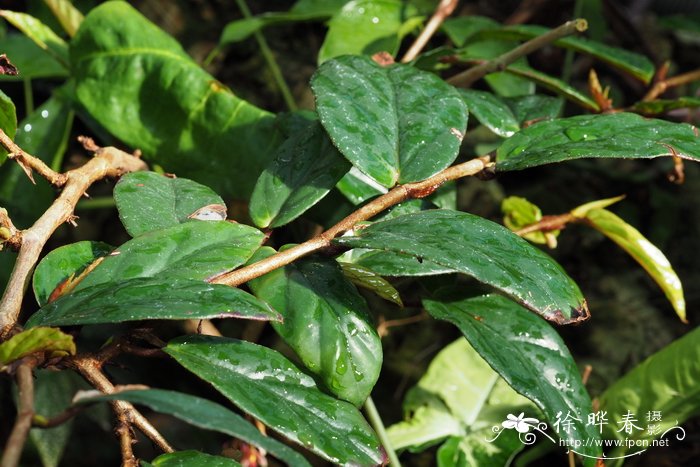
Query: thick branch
{"x": 444, "y": 9}
{"x": 468, "y": 77}
{"x": 369, "y": 210}
{"x": 108, "y": 162}
{"x": 25, "y": 413}
{"x": 29, "y": 162}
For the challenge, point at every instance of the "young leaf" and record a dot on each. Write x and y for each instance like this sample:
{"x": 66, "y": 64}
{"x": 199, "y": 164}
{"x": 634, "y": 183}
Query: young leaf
{"x": 62, "y": 266}
{"x": 618, "y": 135}
{"x": 41, "y": 34}
{"x": 395, "y": 123}
{"x": 644, "y": 252}
{"x": 327, "y": 323}
{"x": 204, "y": 414}
{"x": 148, "y": 201}
{"x": 484, "y": 250}
{"x": 583, "y": 210}
{"x": 266, "y": 385}
{"x": 491, "y": 111}
{"x": 8, "y": 120}
{"x": 127, "y": 69}
{"x": 192, "y": 459}
{"x": 518, "y": 213}
{"x": 306, "y": 167}
{"x": 367, "y": 27}
{"x": 35, "y": 340}
{"x": 666, "y": 382}
{"x": 365, "y": 278}
{"x": 151, "y": 298}
{"x": 529, "y": 355}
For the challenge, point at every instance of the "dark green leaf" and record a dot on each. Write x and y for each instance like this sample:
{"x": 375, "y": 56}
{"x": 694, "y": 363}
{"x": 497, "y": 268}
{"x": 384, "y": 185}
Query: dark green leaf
{"x": 553, "y": 84}
{"x": 306, "y": 167}
{"x": 660, "y": 106}
{"x": 31, "y": 61}
{"x": 367, "y": 279}
{"x": 463, "y": 28}
{"x": 269, "y": 387}
{"x": 484, "y": 250}
{"x": 618, "y": 135}
{"x": 41, "y": 34}
{"x": 528, "y": 109}
{"x": 148, "y": 201}
{"x": 35, "y": 340}
{"x": 327, "y": 323}
{"x": 64, "y": 263}
{"x": 390, "y": 263}
{"x": 529, "y": 355}
{"x": 8, "y": 120}
{"x": 491, "y": 111}
{"x": 192, "y": 459}
{"x": 358, "y": 187}
{"x": 127, "y": 69}
{"x": 365, "y": 27}
{"x": 196, "y": 250}
{"x": 151, "y": 298}
{"x": 204, "y": 414}
{"x": 395, "y": 124}
{"x": 241, "y": 29}
{"x": 502, "y": 83}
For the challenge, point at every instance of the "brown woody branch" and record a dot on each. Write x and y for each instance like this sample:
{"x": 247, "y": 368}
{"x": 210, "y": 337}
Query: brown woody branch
{"x": 108, "y": 162}
{"x": 665, "y": 83}
{"x": 30, "y": 163}
{"x": 444, "y": 9}
{"x": 468, "y": 77}
{"x": 25, "y": 412}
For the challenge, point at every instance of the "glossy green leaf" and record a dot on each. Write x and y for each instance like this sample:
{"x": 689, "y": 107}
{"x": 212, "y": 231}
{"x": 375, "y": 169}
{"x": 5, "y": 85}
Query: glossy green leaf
{"x": 365, "y": 27}
{"x": 196, "y": 250}
{"x": 8, "y": 120}
{"x": 529, "y": 355}
{"x": 666, "y": 382}
{"x": 484, "y": 250}
{"x": 266, "y": 385}
{"x": 149, "y": 201}
{"x": 66, "y": 14}
{"x": 390, "y": 263}
{"x": 65, "y": 263}
{"x": 365, "y": 278}
{"x": 395, "y": 124}
{"x": 660, "y": 106}
{"x": 306, "y": 167}
{"x": 358, "y": 187}
{"x": 553, "y": 84}
{"x": 35, "y": 340}
{"x": 644, "y": 252}
{"x": 327, "y": 323}
{"x": 151, "y": 298}
{"x": 491, "y": 111}
{"x": 636, "y": 65}
{"x": 618, "y": 135}
{"x": 38, "y": 32}
{"x": 518, "y": 213}
{"x": 204, "y": 414}
{"x": 192, "y": 459}
{"x": 127, "y": 69}
{"x": 31, "y": 61}
{"x": 529, "y": 109}
{"x": 463, "y": 28}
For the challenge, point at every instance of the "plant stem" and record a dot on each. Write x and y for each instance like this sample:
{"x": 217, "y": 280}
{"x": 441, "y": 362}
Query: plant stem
{"x": 29, "y": 163}
{"x": 468, "y": 77}
{"x": 444, "y": 9}
{"x": 25, "y": 413}
{"x": 378, "y": 426}
{"x": 270, "y": 59}
{"x": 663, "y": 85}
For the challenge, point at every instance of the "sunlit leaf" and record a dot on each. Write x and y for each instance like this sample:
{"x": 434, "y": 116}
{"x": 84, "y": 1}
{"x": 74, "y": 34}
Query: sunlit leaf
{"x": 38, "y": 32}
{"x": 45, "y": 340}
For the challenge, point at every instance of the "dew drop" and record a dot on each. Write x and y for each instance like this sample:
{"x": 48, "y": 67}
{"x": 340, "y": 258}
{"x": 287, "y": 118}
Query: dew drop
{"x": 45, "y": 113}
{"x": 28, "y": 127}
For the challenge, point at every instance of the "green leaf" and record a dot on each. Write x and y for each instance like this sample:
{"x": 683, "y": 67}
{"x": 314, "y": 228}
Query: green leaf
{"x": 636, "y": 65}
{"x": 502, "y": 83}
{"x": 35, "y": 340}
{"x": 269, "y": 387}
{"x": 239, "y": 30}
{"x": 365, "y": 27}
{"x": 196, "y": 250}
{"x": 151, "y": 298}
{"x": 365, "y": 278}
{"x": 476, "y": 449}
{"x": 582, "y": 210}
{"x": 395, "y": 123}
{"x": 666, "y": 382}
{"x": 484, "y": 250}
{"x": 63, "y": 264}
{"x": 148, "y": 201}
{"x": 8, "y": 120}
{"x": 660, "y": 106}
{"x": 535, "y": 107}
{"x": 31, "y": 61}
{"x": 328, "y": 7}
{"x": 390, "y": 263}
{"x": 306, "y": 167}
{"x": 327, "y": 323}
{"x": 204, "y": 414}
{"x": 553, "y": 84}
{"x": 491, "y": 112}
{"x": 463, "y": 28}
{"x": 127, "y": 69}
{"x": 192, "y": 459}
{"x": 41, "y": 34}
{"x": 68, "y": 15}
{"x": 529, "y": 355}
{"x": 358, "y": 187}
{"x": 618, "y": 135}
{"x": 644, "y": 252}
{"x": 518, "y": 213}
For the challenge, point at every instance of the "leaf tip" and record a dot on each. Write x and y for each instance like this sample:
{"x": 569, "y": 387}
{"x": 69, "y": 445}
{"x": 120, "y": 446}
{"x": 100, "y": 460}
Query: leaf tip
{"x": 576, "y": 315}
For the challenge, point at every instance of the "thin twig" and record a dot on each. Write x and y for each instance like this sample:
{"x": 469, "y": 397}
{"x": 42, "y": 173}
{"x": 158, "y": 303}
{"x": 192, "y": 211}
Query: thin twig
{"x": 548, "y": 223}
{"x": 25, "y": 412}
{"x": 376, "y": 420}
{"x": 468, "y": 77}
{"x": 42, "y": 422}
{"x": 89, "y": 367}
{"x": 30, "y": 163}
{"x": 108, "y": 162}
{"x": 444, "y": 9}
{"x": 369, "y": 210}
{"x": 663, "y": 85}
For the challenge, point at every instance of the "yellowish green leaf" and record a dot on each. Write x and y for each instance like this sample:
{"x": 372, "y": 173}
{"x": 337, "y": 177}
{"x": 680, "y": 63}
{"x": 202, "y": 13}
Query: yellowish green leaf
{"x": 34, "y": 340}
{"x": 584, "y": 209}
